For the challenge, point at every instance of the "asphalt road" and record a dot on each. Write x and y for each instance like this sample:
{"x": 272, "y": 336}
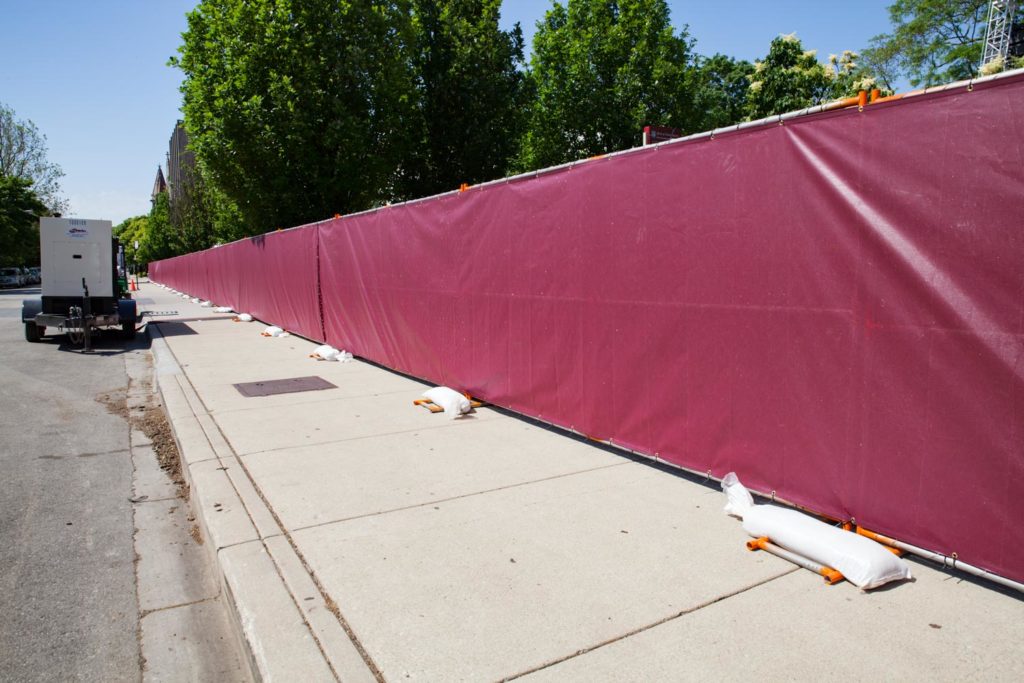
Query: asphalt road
{"x": 68, "y": 607}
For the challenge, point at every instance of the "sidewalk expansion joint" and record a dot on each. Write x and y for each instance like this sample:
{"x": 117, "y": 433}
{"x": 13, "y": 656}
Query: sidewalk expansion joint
{"x": 224, "y": 411}
{"x": 464, "y": 495}
{"x": 452, "y": 424}
{"x": 665, "y": 620}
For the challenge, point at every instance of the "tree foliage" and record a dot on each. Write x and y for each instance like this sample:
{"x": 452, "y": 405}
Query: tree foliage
{"x": 471, "y": 93}
{"x": 20, "y": 209}
{"x": 161, "y": 240}
{"x": 931, "y": 42}
{"x": 297, "y": 108}
{"x": 23, "y": 154}
{"x": 201, "y": 215}
{"x": 719, "y": 86}
{"x": 791, "y": 78}
{"x": 603, "y": 69}
{"x": 130, "y": 231}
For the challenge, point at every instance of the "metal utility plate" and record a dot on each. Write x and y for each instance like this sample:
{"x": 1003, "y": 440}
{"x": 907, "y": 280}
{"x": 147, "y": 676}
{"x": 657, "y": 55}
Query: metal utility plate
{"x": 292, "y": 385}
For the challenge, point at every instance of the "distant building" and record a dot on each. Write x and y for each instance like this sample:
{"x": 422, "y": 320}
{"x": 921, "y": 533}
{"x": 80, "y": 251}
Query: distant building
{"x": 159, "y": 185}
{"x": 180, "y": 160}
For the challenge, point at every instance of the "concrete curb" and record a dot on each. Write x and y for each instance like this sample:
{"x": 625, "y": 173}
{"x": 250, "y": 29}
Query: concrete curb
{"x": 285, "y": 623}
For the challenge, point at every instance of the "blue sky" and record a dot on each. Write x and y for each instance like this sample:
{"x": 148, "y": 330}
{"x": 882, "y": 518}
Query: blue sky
{"x": 92, "y": 74}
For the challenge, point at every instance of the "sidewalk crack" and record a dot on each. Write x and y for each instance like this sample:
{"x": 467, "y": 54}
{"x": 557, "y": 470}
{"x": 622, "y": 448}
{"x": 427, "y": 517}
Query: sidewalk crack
{"x": 665, "y": 620}
{"x": 146, "y": 612}
{"x": 464, "y": 495}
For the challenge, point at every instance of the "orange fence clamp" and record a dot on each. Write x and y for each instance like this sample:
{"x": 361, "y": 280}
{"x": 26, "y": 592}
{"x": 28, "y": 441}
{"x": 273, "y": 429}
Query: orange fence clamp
{"x": 889, "y": 543}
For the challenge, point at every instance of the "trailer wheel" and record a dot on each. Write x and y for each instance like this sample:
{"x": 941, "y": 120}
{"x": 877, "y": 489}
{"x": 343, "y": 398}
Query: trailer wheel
{"x": 128, "y": 329}
{"x": 33, "y": 332}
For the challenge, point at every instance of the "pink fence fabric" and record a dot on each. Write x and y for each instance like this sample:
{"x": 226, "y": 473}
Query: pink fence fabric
{"x": 274, "y": 277}
{"x": 832, "y": 307}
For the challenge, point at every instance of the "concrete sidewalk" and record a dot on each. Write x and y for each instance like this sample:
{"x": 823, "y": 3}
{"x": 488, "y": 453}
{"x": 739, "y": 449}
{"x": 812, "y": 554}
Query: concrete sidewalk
{"x": 361, "y": 537}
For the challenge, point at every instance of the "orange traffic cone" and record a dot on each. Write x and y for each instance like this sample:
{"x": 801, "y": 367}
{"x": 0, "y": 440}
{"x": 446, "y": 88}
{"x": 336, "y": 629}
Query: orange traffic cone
{"x": 131, "y": 285}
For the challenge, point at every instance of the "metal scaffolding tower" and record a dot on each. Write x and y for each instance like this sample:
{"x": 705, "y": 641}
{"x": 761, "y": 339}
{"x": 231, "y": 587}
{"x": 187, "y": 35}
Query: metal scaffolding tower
{"x": 997, "y": 33}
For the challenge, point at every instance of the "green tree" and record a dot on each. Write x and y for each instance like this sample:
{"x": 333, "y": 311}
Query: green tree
{"x": 791, "y": 78}
{"x": 472, "y": 94}
{"x": 931, "y": 42}
{"x": 298, "y": 109}
{"x": 602, "y": 70}
{"x": 130, "y": 231}
{"x": 23, "y": 154}
{"x": 161, "y": 240}
{"x": 202, "y": 215}
{"x": 20, "y": 209}
{"x": 719, "y": 85}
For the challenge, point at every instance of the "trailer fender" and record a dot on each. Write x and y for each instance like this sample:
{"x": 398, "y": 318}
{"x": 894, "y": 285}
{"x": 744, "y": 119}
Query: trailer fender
{"x": 30, "y": 308}
{"x": 126, "y": 310}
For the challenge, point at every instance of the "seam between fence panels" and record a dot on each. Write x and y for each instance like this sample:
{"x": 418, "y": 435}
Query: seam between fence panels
{"x": 319, "y": 288}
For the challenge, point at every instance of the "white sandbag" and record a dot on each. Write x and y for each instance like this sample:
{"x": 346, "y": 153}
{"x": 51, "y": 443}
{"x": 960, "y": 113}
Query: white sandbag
{"x": 863, "y": 562}
{"x": 207, "y": 304}
{"x": 325, "y": 352}
{"x": 454, "y": 404}
{"x": 274, "y": 331}
{"x": 345, "y": 357}
{"x": 223, "y": 309}
{"x": 244, "y": 318}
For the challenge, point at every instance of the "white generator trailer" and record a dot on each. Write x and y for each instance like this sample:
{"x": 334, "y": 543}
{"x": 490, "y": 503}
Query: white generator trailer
{"x": 84, "y": 284}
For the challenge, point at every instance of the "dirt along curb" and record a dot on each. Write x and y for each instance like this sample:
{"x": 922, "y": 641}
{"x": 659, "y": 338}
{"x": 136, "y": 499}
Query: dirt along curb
{"x": 183, "y": 628}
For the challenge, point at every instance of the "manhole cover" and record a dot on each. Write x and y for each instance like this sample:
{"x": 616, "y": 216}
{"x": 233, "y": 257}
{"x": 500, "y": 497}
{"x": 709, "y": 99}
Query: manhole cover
{"x": 292, "y": 385}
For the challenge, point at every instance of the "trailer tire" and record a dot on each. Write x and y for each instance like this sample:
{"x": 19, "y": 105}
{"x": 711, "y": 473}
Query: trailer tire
{"x": 33, "y": 333}
{"x": 128, "y": 329}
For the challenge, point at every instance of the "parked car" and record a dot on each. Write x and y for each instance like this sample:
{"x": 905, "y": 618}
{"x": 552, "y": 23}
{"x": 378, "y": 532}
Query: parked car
{"x": 11, "y": 277}
{"x": 35, "y": 276}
